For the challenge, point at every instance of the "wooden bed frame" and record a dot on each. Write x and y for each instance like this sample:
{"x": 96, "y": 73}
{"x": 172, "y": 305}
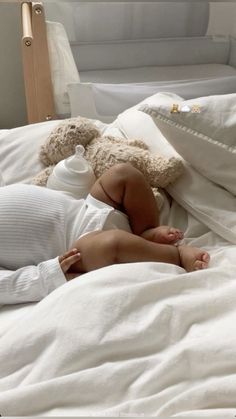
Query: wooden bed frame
{"x": 36, "y": 66}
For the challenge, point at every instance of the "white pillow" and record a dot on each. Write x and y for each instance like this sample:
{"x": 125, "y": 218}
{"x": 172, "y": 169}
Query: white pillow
{"x": 63, "y": 67}
{"x": 106, "y": 101}
{"x": 207, "y": 140}
{"x": 136, "y": 124}
{"x": 19, "y": 150}
{"x": 205, "y": 200}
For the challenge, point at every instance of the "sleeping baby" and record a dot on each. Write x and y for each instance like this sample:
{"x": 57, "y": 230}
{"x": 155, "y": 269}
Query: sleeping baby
{"x": 117, "y": 223}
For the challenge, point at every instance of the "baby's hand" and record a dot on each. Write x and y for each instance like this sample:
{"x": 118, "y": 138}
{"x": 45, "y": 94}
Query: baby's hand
{"x": 67, "y": 260}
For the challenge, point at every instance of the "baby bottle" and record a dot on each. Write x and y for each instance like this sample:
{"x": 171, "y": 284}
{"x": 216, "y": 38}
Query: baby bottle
{"x": 73, "y": 175}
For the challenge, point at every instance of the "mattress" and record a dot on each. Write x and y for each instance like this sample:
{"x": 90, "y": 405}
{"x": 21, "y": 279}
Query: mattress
{"x": 158, "y": 73}
{"x": 146, "y": 339}
{"x": 134, "y": 340}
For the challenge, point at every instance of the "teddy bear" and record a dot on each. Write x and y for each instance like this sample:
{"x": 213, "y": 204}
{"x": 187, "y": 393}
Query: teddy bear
{"x": 102, "y": 152}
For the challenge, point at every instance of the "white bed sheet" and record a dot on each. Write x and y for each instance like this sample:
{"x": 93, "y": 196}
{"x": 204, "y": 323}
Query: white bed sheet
{"x": 132, "y": 340}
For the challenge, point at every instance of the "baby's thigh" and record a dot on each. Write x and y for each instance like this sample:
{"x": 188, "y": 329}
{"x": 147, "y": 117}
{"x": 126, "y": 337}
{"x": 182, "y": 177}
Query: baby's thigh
{"x": 97, "y": 250}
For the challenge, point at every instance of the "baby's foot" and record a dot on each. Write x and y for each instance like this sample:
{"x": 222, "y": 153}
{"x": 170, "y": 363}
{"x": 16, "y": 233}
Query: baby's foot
{"x": 163, "y": 235}
{"x": 192, "y": 258}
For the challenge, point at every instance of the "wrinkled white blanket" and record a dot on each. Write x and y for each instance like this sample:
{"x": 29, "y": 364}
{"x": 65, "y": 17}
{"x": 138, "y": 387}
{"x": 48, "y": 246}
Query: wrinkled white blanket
{"x": 132, "y": 340}
{"x": 143, "y": 339}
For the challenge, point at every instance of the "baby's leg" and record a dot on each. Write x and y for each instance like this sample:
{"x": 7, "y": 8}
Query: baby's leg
{"x": 126, "y": 189}
{"x": 104, "y": 248}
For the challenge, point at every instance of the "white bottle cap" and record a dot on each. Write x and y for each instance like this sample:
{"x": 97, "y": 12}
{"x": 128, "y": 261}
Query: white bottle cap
{"x": 73, "y": 175}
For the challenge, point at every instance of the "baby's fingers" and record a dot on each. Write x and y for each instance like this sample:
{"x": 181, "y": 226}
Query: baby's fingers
{"x": 68, "y": 259}
{"x": 70, "y": 252}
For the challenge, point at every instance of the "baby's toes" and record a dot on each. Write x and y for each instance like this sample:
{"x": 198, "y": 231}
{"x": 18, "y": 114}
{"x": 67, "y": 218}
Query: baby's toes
{"x": 180, "y": 235}
{"x": 199, "y": 265}
{"x": 171, "y": 236}
{"x": 176, "y": 234}
{"x": 205, "y": 257}
{"x": 202, "y": 261}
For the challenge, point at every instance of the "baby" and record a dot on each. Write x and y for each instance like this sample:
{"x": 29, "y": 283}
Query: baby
{"x": 117, "y": 223}
{"x": 125, "y": 189}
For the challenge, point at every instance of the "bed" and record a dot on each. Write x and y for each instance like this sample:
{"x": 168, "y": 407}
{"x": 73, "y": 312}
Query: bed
{"x": 143, "y": 339}
{"x": 99, "y": 58}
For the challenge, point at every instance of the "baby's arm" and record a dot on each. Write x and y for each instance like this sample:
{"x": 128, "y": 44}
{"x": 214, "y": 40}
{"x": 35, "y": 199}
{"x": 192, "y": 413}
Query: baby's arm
{"x": 33, "y": 283}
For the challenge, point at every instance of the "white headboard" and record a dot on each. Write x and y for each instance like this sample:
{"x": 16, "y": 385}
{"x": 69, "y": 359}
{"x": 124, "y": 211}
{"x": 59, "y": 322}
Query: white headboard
{"x": 120, "y": 35}
{"x": 158, "y": 52}
{"x": 90, "y": 22}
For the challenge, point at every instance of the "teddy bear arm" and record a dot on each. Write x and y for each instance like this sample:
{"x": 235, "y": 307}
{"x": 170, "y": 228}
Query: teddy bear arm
{"x": 42, "y": 178}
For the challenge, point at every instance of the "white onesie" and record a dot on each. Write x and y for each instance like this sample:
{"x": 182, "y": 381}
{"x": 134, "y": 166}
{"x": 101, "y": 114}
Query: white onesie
{"x": 36, "y": 226}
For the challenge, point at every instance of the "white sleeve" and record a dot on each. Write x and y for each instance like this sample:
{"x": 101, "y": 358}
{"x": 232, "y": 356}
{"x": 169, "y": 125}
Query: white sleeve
{"x": 31, "y": 283}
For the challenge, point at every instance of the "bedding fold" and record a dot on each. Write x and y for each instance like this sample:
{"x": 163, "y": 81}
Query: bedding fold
{"x": 140, "y": 339}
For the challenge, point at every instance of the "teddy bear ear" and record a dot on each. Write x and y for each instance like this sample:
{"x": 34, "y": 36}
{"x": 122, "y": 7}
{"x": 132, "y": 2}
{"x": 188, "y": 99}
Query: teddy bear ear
{"x": 79, "y": 130}
{"x": 64, "y": 138}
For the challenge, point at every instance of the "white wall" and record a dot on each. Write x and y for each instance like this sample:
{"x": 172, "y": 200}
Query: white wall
{"x": 12, "y": 98}
{"x": 222, "y": 19}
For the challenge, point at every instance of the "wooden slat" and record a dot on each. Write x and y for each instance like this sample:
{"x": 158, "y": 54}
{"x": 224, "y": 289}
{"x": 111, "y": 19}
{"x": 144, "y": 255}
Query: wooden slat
{"x": 37, "y": 72}
{"x": 28, "y": 63}
{"x": 43, "y": 81}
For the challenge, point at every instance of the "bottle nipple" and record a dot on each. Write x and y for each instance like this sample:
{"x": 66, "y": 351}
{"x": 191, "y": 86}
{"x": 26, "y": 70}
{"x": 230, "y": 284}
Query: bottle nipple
{"x": 79, "y": 150}
{"x": 77, "y": 163}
